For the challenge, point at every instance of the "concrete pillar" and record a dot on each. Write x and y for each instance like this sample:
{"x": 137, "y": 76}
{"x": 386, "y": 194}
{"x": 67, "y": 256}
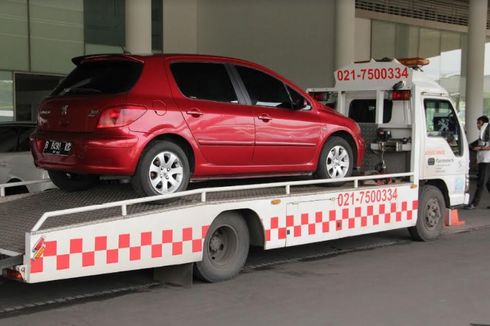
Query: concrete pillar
{"x": 476, "y": 58}
{"x": 345, "y": 23}
{"x": 138, "y": 26}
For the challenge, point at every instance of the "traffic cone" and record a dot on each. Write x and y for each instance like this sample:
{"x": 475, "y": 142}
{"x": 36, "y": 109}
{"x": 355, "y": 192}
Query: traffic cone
{"x": 453, "y": 218}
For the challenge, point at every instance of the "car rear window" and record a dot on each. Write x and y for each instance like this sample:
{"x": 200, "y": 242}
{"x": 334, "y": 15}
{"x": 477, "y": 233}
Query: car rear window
{"x": 206, "y": 81}
{"x": 100, "y": 77}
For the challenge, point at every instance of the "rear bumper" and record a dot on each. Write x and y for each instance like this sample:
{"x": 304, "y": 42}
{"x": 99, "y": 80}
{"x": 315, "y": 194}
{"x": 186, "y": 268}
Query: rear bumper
{"x": 94, "y": 155}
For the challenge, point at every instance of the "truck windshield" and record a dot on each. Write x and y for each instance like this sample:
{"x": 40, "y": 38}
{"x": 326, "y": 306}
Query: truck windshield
{"x": 101, "y": 77}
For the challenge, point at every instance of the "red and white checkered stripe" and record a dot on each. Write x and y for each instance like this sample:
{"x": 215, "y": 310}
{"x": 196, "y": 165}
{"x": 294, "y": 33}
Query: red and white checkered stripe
{"x": 332, "y": 221}
{"x": 104, "y": 250}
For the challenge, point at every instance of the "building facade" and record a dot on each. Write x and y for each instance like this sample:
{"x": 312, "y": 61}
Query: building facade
{"x": 303, "y": 40}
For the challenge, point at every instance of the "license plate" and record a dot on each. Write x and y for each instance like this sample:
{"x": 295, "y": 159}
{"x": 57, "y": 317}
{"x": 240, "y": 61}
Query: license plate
{"x": 57, "y": 147}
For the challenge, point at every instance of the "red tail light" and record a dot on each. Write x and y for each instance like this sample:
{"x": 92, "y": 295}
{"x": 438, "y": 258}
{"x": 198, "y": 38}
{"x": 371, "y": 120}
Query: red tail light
{"x": 401, "y": 95}
{"x": 319, "y": 96}
{"x": 120, "y": 116}
{"x": 13, "y": 275}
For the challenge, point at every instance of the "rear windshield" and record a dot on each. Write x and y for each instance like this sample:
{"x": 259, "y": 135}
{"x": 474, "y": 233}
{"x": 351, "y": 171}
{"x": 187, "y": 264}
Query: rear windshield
{"x": 100, "y": 77}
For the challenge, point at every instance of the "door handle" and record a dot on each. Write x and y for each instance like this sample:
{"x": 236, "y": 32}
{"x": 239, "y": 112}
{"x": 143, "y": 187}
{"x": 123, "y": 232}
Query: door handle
{"x": 265, "y": 117}
{"x": 194, "y": 112}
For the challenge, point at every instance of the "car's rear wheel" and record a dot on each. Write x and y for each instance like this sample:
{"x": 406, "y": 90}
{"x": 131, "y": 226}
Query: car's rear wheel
{"x": 163, "y": 169}
{"x": 336, "y": 160}
{"x": 72, "y": 181}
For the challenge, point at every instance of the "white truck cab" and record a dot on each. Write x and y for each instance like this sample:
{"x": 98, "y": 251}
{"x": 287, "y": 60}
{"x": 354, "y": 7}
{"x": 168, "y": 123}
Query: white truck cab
{"x": 402, "y": 112}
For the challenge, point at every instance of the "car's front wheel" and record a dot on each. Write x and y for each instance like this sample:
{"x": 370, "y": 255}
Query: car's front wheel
{"x": 72, "y": 181}
{"x": 336, "y": 160}
{"x": 163, "y": 169}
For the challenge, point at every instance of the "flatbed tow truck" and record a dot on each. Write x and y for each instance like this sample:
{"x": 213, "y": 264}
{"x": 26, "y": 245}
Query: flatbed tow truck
{"x": 55, "y": 235}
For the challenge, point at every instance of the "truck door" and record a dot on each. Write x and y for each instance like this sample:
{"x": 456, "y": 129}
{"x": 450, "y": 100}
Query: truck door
{"x": 445, "y": 153}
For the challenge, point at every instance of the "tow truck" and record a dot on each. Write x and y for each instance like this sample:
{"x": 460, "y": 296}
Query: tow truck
{"x": 417, "y": 145}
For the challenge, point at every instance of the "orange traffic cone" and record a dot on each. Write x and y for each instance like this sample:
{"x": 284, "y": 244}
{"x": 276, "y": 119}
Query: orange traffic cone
{"x": 453, "y": 218}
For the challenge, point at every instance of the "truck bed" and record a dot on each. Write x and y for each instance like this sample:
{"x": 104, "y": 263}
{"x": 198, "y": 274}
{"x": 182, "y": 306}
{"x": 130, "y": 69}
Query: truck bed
{"x": 18, "y": 216}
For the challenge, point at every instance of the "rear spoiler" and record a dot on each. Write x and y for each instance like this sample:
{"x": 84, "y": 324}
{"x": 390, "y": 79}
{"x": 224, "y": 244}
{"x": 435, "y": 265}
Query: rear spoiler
{"x": 103, "y": 57}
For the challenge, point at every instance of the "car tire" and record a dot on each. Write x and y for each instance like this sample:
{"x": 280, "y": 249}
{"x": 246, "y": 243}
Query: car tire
{"x": 73, "y": 182}
{"x": 225, "y": 249}
{"x": 152, "y": 178}
{"x": 430, "y": 217}
{"x": 336, "y": 160}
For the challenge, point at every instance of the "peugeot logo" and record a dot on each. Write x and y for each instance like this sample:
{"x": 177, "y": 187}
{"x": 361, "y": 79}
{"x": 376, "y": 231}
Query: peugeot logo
{"x": 64, "y": 110}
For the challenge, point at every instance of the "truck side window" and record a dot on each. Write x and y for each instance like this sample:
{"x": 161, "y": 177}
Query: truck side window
{"x": 441, "y": 121}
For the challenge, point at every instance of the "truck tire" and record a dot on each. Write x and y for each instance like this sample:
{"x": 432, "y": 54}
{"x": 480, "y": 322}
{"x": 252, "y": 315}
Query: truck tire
{"x": 70, "y": 182}
{"x": 336, "y": 160}
{"x": 163, "y": 169}
{"x": 225, "y": 249}
{"x": 430, "y": 217}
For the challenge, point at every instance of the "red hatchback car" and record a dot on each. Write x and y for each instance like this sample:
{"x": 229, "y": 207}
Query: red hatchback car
{"x": 166, "y": 120}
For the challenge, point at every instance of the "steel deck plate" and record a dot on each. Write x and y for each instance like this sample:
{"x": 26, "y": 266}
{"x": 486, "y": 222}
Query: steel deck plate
{"x": 19, "y": 216}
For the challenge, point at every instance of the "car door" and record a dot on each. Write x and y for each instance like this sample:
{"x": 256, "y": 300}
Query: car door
{"x": 221, "y": 126}
{"x": 287, "y": 130}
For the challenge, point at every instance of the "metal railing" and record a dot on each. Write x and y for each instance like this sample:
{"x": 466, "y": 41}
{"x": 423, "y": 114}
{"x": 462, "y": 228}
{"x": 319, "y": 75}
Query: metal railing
{"x": 203, "y": 192}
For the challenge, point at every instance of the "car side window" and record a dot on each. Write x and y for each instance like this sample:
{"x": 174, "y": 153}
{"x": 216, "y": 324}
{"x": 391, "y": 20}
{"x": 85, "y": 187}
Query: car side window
{"x": 441, "y": 121}
{"x": 205, "y": 81}
{"x": 263, "y": 89}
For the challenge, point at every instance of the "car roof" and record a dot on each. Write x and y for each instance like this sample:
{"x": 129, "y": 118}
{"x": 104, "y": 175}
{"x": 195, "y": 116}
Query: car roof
{"x": 166, "y": 56}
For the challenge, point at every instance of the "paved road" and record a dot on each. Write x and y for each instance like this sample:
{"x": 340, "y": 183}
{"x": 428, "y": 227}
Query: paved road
{"x": 446, "y": 282}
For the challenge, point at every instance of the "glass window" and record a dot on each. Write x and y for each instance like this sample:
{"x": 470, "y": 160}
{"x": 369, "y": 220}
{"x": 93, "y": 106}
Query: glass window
{"x": 101, "y": 48}
{"x": 104, "y": 22}
{"x": 56, "y": 34}
{"x": 365, "y": 111}
{"x": 157, "y": 25}
{"x": 441, "y": 121}
{"x": 407, "y": 38}
{"x": 6, "y": 96}
{"x": 264, "y": 89}
{"x": 430, "y": 42}
{"x": 100, "y": 77}
{"x": 206, "y": 81}
{"x": 297, "y": 100}
{"x": 14, "y": 53}
{"x": 383, "y": 39}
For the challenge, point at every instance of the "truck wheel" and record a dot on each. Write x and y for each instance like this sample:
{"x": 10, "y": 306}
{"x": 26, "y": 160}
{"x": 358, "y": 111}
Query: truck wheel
{"x": 431, "y": 212}
{"x": 336, "y": 160}
{"x": 225, "y": 249}
{"x": 163, "y": 169}
{"x": 73, "y": 182}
